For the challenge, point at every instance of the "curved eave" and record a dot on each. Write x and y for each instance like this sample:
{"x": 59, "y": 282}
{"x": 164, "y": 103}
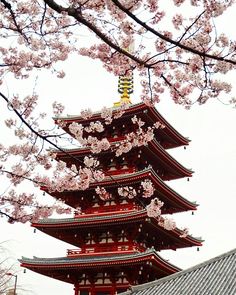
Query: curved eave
{"x": 94, "y": 261}
{"x": 157, "y": 149}
{"x": 159, "y": 184}
{"x": 49, "y": 225}
{"x": 125, "y": 179}
{"x": 167, "y": 158}
{"x": 172, "y": 132}
{"x": 151, "y": 112}
{"x": 89, "y": 220}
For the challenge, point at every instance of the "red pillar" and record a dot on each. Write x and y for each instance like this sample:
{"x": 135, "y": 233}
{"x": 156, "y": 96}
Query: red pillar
{"x": 92, "y": 290}
{"x": 76, "y": 290}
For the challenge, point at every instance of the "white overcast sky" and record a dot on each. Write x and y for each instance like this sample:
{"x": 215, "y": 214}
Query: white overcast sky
{"x": 211, "y": 154}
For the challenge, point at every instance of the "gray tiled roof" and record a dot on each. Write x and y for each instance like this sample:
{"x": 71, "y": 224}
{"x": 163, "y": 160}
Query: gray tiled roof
{"x": 121, "y": 216}
{"x": 67, "y": 261}
{"x": 83, "y": 218}
{"x": 216, "y": 276}
{"x": 84, "y": 259}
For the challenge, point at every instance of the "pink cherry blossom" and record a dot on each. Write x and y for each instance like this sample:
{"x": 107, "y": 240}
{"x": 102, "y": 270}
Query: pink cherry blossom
{"x": 94, "y": 127}
{"x": 90, "y": 162}
{"x": 103, "y": 194}
{"x": 148, "y": 188}
{"x": 184, "y": 233}
{"x": 154, "y": 208}
{"x": 127, "y": 191}
{"x": 168, "y": 224}
{"x": 58, "y": 108}
{"x": 86, "y": 114}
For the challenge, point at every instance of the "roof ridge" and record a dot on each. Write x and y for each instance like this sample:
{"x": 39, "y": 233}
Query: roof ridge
{"x": 123, "y": 214}
{"x": 99, "y": 257}
{"x": 98, "y": 112}
{"x": 180, "y": 273}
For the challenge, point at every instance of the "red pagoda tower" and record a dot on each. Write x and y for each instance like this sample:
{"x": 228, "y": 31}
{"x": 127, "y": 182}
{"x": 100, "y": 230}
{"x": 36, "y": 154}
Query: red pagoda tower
{"x": 116, "y": 242}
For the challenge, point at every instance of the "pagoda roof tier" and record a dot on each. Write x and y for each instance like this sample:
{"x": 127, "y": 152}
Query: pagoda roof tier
{"x": 71, "y": 269}
{"x": 154, "y": 154}
{"x": 170, "y": 137}
{"x": 173, "y": 202}
{"x": 69, "y": 229}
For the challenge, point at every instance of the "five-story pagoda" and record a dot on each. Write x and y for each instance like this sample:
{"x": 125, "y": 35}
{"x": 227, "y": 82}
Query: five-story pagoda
{"x": 121, "y": 225}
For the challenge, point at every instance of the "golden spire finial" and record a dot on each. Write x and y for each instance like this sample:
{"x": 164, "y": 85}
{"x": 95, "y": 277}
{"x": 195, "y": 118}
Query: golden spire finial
{"x": 125, "y": 84}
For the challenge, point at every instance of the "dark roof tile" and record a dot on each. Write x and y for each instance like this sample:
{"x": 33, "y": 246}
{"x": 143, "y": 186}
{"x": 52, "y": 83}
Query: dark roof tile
{"x": 216, "y": 276}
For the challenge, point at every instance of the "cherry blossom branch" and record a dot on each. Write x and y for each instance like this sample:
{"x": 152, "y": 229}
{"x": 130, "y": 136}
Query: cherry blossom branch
{"x": 45, "y": 138}
{"x": 169, "y": 40}
{"x": 10, "y": 218}
{"x": 43, "y": 17}
{"x": 78, "y": 16}
{"x": 38, "y": 134}
{"x": 174, "y": 46}
{"x": 190, "y": 26}
{"x": 170, "y": 85}
{"x": 150, "y": 85}
{"x": 20, "y": 176}
{"x": 8, "y": 6}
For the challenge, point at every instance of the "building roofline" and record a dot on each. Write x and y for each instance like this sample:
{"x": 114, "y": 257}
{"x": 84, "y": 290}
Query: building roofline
{"x": 141, "y": 174}
{"x": 153, "y": 144}
{"x": 131, "y": 109}
{"x": 72, "y": 262}
{"x": 178, "y": 274}
{"x": 69, "y": 222}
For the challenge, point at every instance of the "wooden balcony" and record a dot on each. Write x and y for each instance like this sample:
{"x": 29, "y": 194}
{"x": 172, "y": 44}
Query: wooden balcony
{"x": 121, "y": 248}
{"x": 108, "y": 210}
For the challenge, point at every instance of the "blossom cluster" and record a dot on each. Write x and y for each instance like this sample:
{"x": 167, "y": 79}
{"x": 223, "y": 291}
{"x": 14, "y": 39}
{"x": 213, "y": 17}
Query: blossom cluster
{"x": 137, "y": 138}
{"x": 148, "y": 188}
{"x": 103, "y": 194}
{"x": 127, "y": 192}
{"x": 154, "y": 208}
{"x": 49, "y": 37}
{"x": 21, "y": 207}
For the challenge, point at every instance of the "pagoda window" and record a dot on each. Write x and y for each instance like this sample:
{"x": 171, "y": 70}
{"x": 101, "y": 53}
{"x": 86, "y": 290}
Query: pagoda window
{"x": 107, "y": 281}
{"x": 84, "y": 292}
{"x": 115, "y": 133}
{"x": 123, "y": 238}
{"x": 124, "y": 201}
{"x": 119, "y": 280}
{"x": 84, "y": 282}
{"x": 90, "y": 242}
{"x": 112, "y": 168}
{"x": 99, "y": 282}
{"x": 106, "y": 238}
{"x": 124, "y": 167}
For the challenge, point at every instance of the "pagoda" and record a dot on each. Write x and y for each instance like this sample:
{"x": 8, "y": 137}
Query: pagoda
{"x": 116, "y": 243}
